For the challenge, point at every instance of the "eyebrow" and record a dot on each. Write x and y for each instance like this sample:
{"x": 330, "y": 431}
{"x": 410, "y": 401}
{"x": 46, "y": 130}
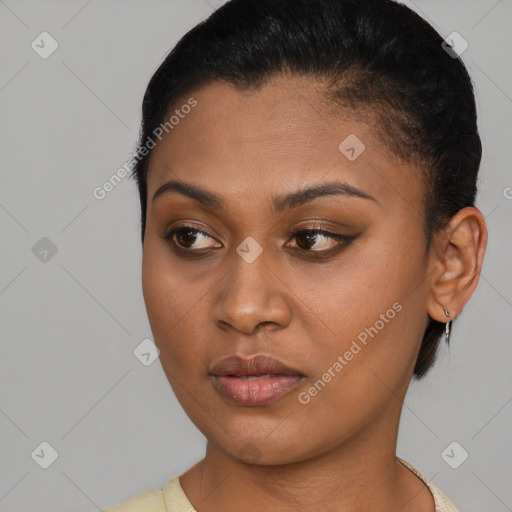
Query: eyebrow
{"x": 287, "y": 201}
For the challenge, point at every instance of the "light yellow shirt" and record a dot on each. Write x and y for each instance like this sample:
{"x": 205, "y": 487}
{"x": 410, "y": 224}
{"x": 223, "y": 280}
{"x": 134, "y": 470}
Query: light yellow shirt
{"x": 172, "y": 498}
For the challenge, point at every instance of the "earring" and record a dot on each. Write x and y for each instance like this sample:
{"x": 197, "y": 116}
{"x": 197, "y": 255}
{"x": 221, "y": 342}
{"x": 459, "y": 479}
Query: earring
{"x": 447, "y": 325}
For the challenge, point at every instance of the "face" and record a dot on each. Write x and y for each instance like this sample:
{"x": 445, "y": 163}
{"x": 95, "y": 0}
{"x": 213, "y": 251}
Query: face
{"x": 331, "y": 283}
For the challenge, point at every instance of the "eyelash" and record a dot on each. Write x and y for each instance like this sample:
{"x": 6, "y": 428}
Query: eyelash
{"x": 344, "y": 240}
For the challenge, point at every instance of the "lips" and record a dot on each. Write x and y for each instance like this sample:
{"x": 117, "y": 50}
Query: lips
{"x": 255, "y": 381}
{"x": 256, "y": 365}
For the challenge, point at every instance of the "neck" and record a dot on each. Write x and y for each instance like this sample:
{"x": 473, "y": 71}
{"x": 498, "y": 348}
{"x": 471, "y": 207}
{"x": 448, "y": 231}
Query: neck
{"x": 360, "y": 474}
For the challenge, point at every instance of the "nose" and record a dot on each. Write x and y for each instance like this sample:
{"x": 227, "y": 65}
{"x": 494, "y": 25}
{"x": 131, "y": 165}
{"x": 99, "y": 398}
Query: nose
{"x": 252, "y": 294}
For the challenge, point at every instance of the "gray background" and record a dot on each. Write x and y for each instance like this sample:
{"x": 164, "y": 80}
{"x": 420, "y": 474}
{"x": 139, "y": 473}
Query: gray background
{"x": 70, "y": 324}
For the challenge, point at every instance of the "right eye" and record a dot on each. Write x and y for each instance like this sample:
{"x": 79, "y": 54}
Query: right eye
{"x": 185, "y": 238}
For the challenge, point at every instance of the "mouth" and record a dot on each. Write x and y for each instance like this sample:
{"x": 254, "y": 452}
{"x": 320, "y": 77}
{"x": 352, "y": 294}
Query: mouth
{"x": 255, "y": 376}
{"x": 258, "y": 380}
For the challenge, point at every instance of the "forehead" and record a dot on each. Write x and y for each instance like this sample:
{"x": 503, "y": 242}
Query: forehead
{"x": 284, "y": 134}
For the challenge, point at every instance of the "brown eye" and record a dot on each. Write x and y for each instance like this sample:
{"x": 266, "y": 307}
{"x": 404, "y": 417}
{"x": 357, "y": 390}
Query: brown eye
{"x": 318, "y": 242}
{"x": 188, "y": 237}
{"x": 321, "y": 240}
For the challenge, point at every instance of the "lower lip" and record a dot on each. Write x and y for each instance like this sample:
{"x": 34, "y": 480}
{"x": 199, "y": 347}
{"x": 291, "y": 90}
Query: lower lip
{"x": 257, "y": 391}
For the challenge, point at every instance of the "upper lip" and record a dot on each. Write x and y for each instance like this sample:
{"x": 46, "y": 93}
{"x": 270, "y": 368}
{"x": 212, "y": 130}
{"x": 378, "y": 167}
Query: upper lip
{"x": 256, "y": 365}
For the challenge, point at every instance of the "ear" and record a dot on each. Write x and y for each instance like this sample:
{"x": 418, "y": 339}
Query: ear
{"x": 455, "y": 261}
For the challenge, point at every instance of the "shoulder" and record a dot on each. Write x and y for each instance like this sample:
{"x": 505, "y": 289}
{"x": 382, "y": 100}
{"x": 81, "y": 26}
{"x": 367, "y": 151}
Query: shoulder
{"x": 169, "y": 499}
{"x": 149, "y": 501}
{"x": 442, "y": 502}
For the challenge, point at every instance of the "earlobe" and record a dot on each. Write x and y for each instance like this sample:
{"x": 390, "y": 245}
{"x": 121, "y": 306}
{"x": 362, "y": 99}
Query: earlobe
{"x": 456, "y": 256}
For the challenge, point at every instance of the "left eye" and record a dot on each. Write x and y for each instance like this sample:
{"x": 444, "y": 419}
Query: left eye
{"x": 308, "y": 238}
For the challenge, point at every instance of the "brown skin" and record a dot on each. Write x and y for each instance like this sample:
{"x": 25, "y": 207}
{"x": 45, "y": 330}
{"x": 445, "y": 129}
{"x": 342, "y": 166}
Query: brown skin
{"x": 338, "y": 451}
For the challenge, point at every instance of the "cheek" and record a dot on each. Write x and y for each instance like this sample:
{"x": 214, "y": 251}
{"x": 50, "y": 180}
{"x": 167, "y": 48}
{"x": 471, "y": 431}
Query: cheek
{"x": 166, "y": 298}
{"x": 371, "y": 309}
{"x": 167, "y": 305}
{"x": 156, "y": 291}
{"x": 175, "y": 306}
{"x": 364, "y": 283}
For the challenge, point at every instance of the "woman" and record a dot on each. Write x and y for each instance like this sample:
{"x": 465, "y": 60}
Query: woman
{"x": 307, "y": 175}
